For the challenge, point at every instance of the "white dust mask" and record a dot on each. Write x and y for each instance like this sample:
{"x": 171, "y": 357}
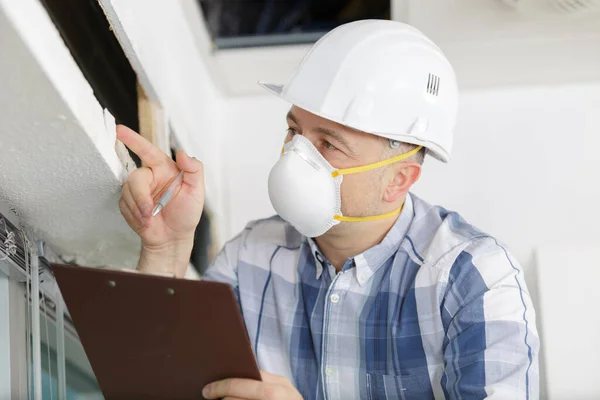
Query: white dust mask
{"x": 305, "y": 189}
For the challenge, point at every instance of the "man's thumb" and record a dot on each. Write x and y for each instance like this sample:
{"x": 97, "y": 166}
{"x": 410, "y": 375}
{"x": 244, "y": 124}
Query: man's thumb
{"x": 193, "y": 169}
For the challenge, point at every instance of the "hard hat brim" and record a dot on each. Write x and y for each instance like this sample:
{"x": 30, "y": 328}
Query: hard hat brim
{"x": 432, "y": 149}
{"x": 273, "y": 88}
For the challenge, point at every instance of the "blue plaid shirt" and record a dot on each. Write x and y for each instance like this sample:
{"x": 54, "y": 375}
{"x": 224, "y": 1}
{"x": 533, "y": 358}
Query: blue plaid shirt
{"x": 438, "y": 309}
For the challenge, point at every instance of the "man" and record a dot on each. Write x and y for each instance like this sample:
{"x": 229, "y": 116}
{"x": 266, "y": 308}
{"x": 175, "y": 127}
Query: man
{"x": 357, "y": 289}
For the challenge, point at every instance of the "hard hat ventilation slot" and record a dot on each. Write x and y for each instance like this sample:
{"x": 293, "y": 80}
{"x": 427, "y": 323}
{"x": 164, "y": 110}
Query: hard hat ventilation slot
{"x": 433, "y": 85}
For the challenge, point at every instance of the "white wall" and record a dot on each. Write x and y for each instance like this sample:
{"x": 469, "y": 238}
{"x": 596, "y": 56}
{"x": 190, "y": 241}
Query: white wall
{"x": 525, "y": 164}
{"x": 568, "y": 301}
{"x": 253, "y": 135}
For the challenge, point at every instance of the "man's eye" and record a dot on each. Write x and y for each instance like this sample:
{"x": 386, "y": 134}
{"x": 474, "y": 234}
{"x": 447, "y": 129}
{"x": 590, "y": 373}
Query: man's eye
{"x": 329, "y": 145}
{"x": 292, "y": 132}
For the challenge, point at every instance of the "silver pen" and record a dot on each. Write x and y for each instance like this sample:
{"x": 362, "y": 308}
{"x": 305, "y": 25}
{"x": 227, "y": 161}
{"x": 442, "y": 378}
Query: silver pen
{"x": 168, "y": 194}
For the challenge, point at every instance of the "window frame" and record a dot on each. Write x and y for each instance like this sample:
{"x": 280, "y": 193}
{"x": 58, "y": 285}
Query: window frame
{"x": 15, "y": 358}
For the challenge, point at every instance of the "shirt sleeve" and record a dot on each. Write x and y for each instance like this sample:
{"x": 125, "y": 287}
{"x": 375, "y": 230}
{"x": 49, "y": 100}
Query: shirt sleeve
{"x": 491, "y": 345}
{"x": 225, "y": 266}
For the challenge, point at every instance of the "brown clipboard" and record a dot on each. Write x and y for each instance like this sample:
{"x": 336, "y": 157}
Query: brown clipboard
{"x": 154, "y": 337}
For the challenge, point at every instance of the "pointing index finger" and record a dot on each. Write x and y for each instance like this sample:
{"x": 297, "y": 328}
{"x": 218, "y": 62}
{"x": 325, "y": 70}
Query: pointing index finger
{"x": 150, "y": 155}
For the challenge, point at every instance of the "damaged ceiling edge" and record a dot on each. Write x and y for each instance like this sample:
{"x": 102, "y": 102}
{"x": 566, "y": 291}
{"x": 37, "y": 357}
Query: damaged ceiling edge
{"x": 117, "y": 28}
{"x": 59, "y": 168}
{"x": 43, "y": 40}
{"x": 174, "y": 69}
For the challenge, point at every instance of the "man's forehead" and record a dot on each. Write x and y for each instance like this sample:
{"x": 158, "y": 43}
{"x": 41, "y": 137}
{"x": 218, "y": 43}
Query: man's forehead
{"x": 306, "y": 118}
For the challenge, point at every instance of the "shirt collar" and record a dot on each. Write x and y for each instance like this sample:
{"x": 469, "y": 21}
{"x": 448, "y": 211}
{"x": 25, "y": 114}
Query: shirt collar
{"x": 317, "y": 255}
{"x": 370, "y": 260}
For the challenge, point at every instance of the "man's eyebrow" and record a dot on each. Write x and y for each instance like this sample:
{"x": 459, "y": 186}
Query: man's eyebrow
{"x": 337, "y": 136}
{"x": 291, "y": 116}
{"x": 328, "y": 132}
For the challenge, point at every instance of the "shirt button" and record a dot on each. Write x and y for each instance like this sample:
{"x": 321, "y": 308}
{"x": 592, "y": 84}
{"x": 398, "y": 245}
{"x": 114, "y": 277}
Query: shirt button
{"x": 328, "y": 371}
{"x": 334, "y": 298}
{"x": 319, "y": 258}
{"x": 364, "y": 276}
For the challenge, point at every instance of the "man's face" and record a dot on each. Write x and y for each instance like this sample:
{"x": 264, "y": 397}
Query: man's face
{"x": 344, "y": 147}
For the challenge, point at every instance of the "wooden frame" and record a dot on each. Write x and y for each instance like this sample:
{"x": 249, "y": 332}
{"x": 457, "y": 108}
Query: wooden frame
{"x": 153, "y": 124}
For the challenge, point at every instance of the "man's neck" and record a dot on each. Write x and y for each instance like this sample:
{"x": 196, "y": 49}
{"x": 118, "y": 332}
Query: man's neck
{"x": 340, "y": 245}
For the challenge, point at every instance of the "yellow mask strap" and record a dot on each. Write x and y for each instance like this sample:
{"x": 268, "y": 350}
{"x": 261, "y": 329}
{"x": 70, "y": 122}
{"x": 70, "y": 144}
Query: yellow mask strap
{"x": 341, "y": 218}
{"x": 368, "y": 167}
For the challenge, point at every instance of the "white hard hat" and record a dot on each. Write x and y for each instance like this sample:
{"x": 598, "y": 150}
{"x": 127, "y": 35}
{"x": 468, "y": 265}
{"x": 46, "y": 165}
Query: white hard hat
{"x": 381, "y": 77}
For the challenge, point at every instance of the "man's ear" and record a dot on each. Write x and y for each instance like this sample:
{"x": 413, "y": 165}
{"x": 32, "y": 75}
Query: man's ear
{"x": 404, "y": 177}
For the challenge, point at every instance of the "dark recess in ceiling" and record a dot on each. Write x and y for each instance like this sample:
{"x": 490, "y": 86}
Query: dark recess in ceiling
{"x": 87, "y": 33}
{"x": 231, "y": 18}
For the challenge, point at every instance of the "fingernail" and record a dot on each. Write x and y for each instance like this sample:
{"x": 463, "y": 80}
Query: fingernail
{"x": 206, "y": 391}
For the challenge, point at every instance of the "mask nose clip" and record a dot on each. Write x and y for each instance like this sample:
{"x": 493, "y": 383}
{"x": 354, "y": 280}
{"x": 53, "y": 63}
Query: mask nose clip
{"x": 303, "y": 156}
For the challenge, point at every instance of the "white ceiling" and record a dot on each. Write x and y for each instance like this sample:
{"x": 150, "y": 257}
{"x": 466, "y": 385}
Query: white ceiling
{"x": 58, "y": 168}
{"x": 488, "y": 42}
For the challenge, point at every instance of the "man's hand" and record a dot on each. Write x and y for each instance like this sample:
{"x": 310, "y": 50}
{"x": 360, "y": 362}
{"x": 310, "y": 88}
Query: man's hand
{"x": 272, "y": 387}
{"x": 168, "y": 237}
